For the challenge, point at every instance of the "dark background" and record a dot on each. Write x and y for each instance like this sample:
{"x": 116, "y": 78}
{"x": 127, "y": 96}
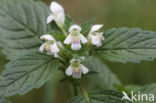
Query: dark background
{"x": 111, "y": 13}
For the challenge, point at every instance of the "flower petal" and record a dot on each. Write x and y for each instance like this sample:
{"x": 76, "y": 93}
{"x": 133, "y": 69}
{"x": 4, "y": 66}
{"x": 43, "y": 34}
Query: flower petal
{"x": 69, "y": 71}
{"x": 56, "y": 55}
{"x": 77, "y": 73}
{"x": 72, "y": 60}
{"x": 76, "y": 46}
{"x": 60, "y": 44}
{"x": 101, "y": 33}
{"x": 96, "y": 27}
{"x": 42, "y": 47}
{"x": 68, "y": 39}
{"x": 100, "y": 37}
{"x": 54, "y": 48}
{"x": 77, "y": 27}
{"x": 50, "y": 18}
{"x": 99, "y": 44}
{"x": 84, "y": 69}
{"x": 56, "y": 8}
{"x": 94, "y": 40}
{"x": 47, "y": 37}
{"x": 59, "y": 19}
{"x": 83, "y": 39}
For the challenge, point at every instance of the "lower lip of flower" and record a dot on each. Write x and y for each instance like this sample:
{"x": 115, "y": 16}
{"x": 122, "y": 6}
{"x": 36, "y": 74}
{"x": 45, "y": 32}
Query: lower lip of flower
{"x": 75, "y": 40}
{"x": 77, "y": 73}
{"x": 47, "y": 47}
{"x": 76, "y": 70}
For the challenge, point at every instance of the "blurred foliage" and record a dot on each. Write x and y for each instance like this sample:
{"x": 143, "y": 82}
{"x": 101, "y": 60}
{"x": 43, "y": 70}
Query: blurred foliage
{"x": 111, "y": 13}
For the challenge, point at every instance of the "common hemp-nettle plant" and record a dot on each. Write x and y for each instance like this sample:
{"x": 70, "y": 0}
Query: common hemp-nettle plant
{"x": 42, "y": 43}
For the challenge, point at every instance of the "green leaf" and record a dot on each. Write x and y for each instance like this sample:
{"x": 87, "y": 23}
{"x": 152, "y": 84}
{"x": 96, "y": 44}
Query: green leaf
{"x": 104, "y": 78}
{"x": 146, "y": 89}
{"x": 57, "y": 35}
{"x": 22, "y": 23}
{"x": 106, "y": 96}
{"x": 149, "y": 89}
{"x": 134, "y": 88}
{"x": 3, "y": 61}
{"x": 128, "y": 45}
{"x": 68, "y": 23}
{"x": 143, "y": 89}
{"x": 27, "y": 72}
{"x": 54, "y": 26}
{"x": 82, "y": 52}
{"x": 86, "y": 26}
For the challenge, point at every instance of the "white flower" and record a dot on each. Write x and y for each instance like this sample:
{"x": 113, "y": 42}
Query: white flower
{"x": 50, "y": 45}
{"x": 57, "y": 14}
{"x": 75, "y": 38}
{"x": 94, "y": 36}
{"x": 76, "y": 69}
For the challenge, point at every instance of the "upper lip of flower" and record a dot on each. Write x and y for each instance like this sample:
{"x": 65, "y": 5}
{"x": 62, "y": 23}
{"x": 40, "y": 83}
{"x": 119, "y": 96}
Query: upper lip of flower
{"x": 57, "y": 14}
{"x": 75, "y": 28}
{"x": 47, "y": 37}
{"x": 55, "y": 7}
{"x": 96, "y": 27}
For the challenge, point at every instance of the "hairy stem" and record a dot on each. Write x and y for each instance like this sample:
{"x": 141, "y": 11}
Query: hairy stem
{"x": 75, "y": 91}
{"x": 85, "y": 93}
{"x": 64, "y": 32}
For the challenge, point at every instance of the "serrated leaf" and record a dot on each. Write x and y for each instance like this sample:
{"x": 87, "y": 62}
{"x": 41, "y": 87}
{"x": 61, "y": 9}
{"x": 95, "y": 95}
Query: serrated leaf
{"x": 27, "y": 72}
{"x": 146, "y": 89}
{"x": 106, "y": 96}
{"x": 22, "y": 23}
{"x": 143, "y": 89}
{"x": 149, "y": 89}
{"x": 130, "y": 88}
{"x": 57, "y": 35}
{"x": 86, "y": 26}
{"x": 128, "y": 45}
{"x": 104, "y": 78}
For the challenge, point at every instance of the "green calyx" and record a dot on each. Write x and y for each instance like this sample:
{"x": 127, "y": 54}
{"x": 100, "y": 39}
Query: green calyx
{"x": 75, "y": 64}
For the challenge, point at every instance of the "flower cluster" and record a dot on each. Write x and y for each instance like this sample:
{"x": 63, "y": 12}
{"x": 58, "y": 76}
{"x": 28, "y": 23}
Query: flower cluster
{"x": 74, "y": 38}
